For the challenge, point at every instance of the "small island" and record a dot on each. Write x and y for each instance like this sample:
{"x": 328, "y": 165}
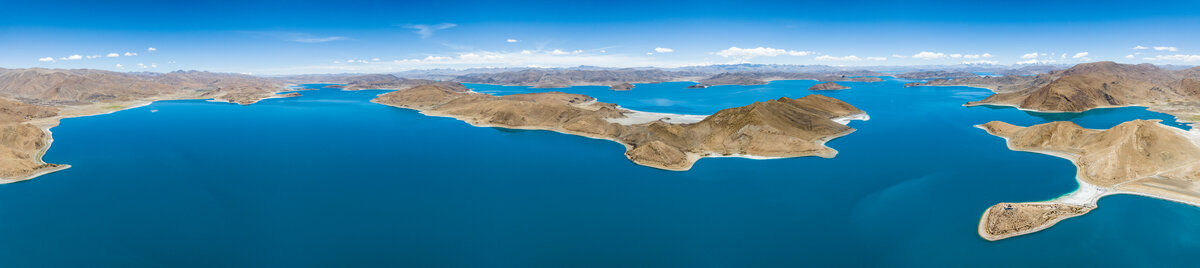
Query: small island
{"x": 622, "y": 87}
{"x": 1140, "y": 157}
{"x": 828, "y": 86}
{"x": 777, "y": 128}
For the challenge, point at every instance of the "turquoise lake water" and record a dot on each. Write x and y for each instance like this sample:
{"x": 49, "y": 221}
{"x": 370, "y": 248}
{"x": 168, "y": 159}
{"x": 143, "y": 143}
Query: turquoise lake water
{"x": 330, "y": 179}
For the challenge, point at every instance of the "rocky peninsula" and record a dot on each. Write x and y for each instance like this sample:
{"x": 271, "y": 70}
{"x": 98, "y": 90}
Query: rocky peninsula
{"x": 1088, "y": 86}
{"x": 1140, "y": 157}
{"x": 783, "y": 127}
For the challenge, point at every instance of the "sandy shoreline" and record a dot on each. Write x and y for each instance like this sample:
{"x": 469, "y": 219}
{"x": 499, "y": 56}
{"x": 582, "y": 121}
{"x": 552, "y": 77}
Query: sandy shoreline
{"x": 1086, "y": 194}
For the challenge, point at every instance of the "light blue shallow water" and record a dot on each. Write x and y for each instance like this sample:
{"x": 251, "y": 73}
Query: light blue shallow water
{"x": 330, "y": 179}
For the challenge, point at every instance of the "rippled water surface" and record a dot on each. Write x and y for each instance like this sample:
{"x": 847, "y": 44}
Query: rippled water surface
{"x": 330, "y": 179}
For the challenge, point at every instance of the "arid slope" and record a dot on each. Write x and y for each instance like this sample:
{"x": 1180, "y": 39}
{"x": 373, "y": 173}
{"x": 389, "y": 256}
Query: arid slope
{"x": 777, "y": 128}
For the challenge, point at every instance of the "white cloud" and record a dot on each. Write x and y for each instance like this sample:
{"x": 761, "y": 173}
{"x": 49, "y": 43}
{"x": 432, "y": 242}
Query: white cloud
{"x": 1177, "y": 57}
{"x": 113, "y": 55}
{"x": 92, "y": 56}
{"x": 832, "y": 58}
{"x": 926, "y": 55}
{"x": 1029, "y": 56}
{"x": 374, "y": 59}
{"x": 143, "y": 66}
{"x": 1130, "y": 56}
{"x": 304, "y": 38}
{"x": 977, "y": 56}
{"x": 1079, "y": 55}
{"x": 74, "y": 57}
{"x": 151, "y": 49}
{"x": 558, "y": 52}
{"x": 46, "y": 59}
{"x": 663, "y": 50}
{"x": 747, "y": 53}
{"x": 1140, "y": 48}
{"x": 877, "y": 58}
{"x": 511, "y": 40}
{"x": 119, "y": 66}
{"x": 130, "y": 54}
{"x": 426, "y": 30}
{"x": 1035, "y": 61}
{"x": 899, "y": 56}
{"x": 981, "y": 62}
{"x": 956, "y": 56}
{"x": 1171, "y": 49}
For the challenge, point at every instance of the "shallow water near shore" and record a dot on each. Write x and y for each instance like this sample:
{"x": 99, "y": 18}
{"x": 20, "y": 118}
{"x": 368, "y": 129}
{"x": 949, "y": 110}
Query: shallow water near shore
{"x": 331, "y": 179}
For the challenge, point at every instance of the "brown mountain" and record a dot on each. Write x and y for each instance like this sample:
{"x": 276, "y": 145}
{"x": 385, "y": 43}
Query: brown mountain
{"x": 1105, "y": 84}
{"x": 776, "y": 128}
{"x": 1140, "y": 157}
{"x": 83, "y": 86}
{"x": 387, "y": 81}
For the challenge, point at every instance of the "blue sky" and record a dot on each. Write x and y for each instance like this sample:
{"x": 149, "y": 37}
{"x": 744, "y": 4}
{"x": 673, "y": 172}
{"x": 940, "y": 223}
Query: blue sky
{"x": 285, "y": 37}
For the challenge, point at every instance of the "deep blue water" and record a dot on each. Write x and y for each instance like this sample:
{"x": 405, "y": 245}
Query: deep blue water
{"x": 330, "y": 179}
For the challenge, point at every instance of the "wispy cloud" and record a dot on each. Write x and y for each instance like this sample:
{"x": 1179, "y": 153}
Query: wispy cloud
{"x": 1171, "y": 49}
{"x": 1033, "y": 55}
{"x": 1080, "y": 55}
{"x": 511, "y": 40}
{"x": 927, "y": 55}
{"x": 877, "y": 58}
{"x": 981, "y": 62}
{"x": 832, "y": 58}
{"x": 748, "y": 53}
{"x": 427, "y": 30}
{"x": 319, "y": 39}
{"x": 112, "y": 55}
{"x": 663, "y": 50}
{"x": 130, "y": 54}
{"x": 151, "y": 49}
{"x": 483, "y": 58}
{"x": 299, "y": 37}
{"x": 46, "y": 59}
{"x": 1036, "y": 61}
{"x": 1177, "y": 57}
{"x": 1140, "y": 48}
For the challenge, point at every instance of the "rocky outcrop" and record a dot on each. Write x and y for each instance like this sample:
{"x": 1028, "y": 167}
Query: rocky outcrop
{"x": 827, "y": 86}
{"x": 622, "y": 87}
{"x": 777, "y": 128}
{"x": 1139, "y": 157}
